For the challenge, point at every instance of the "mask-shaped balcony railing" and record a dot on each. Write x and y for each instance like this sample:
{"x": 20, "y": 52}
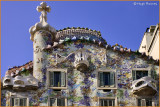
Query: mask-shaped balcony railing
{"x": 31, "y": 82}
{"x": 7, "y": 81}
{"x": 20, "y": 82}
{"x": 145, "y": 86}
{"x": 81, "y": 63}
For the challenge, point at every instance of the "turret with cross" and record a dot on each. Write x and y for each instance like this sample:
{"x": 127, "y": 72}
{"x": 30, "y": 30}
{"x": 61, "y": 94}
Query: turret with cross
{"x": 42, "y": 25}
{"x": 42, "y": 34}
{"x": 43, "y": 8}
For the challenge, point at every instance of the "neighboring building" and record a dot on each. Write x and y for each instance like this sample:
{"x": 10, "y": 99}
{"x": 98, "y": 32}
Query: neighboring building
{"x": 76, "y": 67}
{"x": 150, "y": 42}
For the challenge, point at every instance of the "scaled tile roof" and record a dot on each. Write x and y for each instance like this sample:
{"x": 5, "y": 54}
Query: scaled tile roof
{"x": 27, "y": 66}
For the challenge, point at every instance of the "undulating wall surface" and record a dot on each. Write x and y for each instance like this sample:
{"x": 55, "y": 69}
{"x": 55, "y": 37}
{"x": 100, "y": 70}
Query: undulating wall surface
{"x": 3, "y": 98}
{"x": 82, "y": 86}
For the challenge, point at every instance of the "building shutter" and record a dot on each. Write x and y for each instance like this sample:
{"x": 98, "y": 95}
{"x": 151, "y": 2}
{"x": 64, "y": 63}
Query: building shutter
{"x": 149, "y": 73}
{"x": 134, "y": 75}
{"x": 63, "y": 79}
{"x": 101, "y": 79}
{"x": 79, "y": 56}
{"x": 101, "y": 102}
{"x": 51, "y": 79}
{"x": 113, "y": 102}
{"x": 152, "y": 74}
{"x": 112, "y": 78}
{"x": 53, "y": 102}
{"x": 143, "y": 102}
{"x": 16, "y": 102}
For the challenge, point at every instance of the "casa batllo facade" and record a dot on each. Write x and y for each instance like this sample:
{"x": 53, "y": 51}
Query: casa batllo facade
{"x": 76, "y": 67}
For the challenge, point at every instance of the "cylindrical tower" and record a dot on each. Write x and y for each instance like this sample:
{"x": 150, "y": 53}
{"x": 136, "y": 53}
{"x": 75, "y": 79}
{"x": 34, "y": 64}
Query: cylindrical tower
{"x": 42, "y": 35}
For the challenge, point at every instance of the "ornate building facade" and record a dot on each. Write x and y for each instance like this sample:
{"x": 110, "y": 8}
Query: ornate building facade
{"x": 76, "y": 67}
{"x": 150, "y": 42}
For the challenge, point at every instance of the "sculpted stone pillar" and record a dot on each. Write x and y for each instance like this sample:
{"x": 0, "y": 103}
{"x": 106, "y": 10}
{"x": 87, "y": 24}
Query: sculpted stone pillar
{"x": 42, "y": 35}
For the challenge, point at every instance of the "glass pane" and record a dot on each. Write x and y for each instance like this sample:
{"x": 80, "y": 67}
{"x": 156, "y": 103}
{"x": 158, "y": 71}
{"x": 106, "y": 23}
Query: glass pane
{"x": 101, "y": 102}
{"x": 145, "y": 73}
{"x": 12, "y": 101}
{"x": 24, "y": 102}
{"x": 105, "y": 103}
{"x": 61, "y": 102}
{"x": 140, "y": 74}
{"x": 57, "y": 79}
{"x": 110, "y": 102}
{"x": 21, "y": 102}
{"x": 113, "y": 102}
{"x": 106, "y": 78}
{"x": 139, "y": 102}
{"x": 52, "y": 101}
{"x": 148, "y": 102}
{"x": 16, "y": 102}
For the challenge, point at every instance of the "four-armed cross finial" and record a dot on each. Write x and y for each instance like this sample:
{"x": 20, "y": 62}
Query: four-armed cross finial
{"x": 43, "y": 8}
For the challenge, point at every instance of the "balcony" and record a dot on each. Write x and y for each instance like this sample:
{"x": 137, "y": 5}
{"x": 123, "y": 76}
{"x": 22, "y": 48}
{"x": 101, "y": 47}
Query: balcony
{"x": 7, "y": 81}
{"x": 20, "y": 83}
{"x": 31, "y": 83}
{"x": 81, "y": 63}
{"x": 145, "y": 86}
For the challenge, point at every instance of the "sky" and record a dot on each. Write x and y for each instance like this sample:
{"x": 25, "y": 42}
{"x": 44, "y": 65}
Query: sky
{"x": 122, "y": 22}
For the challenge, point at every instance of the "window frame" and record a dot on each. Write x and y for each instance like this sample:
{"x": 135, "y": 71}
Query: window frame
{"x": 65, "y": 99}
{"x": 108, "y": 98}
{"x": 141, "y": 69}
{"x": 115, "y": 79}
{"x": 56, "y": 70}
{"x": 15, "y": 97}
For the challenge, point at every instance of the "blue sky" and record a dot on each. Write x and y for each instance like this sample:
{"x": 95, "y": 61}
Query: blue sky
{"x": 120, "y": 22}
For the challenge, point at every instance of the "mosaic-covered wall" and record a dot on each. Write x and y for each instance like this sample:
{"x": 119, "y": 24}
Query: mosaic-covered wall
{"x": 83, "y": 53}
{"x": 82, "y": 87}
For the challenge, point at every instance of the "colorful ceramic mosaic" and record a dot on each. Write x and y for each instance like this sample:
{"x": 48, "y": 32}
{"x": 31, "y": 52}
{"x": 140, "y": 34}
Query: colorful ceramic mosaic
{"x": 92, "y": 70}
